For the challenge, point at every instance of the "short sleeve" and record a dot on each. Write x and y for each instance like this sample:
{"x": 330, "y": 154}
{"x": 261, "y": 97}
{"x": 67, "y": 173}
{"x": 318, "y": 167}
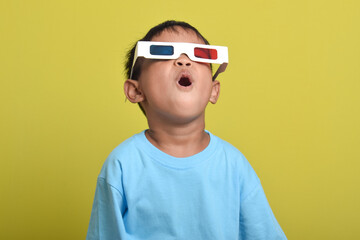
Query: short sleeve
{"x": 106, "y": 221}
{"x": 257, "y": 221}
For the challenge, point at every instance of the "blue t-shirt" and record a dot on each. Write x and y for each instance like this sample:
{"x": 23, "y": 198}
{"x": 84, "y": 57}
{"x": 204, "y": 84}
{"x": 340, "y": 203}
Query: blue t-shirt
{"x": 144, "y": 193}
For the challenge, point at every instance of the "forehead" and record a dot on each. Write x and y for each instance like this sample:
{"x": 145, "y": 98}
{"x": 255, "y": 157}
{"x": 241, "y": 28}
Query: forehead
{"x": 178, "y": 34}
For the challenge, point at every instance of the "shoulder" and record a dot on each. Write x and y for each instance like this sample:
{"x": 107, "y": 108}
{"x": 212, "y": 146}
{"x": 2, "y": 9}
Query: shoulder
{"x": 126, "y": 151}
{"x": 236, "y": 159}
{"x": 123, "y": 148}
{"x": 228, "y": 150}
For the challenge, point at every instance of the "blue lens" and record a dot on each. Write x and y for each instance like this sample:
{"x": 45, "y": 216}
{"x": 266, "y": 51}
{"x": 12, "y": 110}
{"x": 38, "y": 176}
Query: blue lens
{"x": 161, "y": 50}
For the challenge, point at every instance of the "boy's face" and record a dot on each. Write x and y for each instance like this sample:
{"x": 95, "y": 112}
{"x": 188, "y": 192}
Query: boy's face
{"x": 179, "y": 89}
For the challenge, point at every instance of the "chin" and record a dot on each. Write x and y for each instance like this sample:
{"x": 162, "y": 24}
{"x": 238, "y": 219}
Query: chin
{"x": 188, "y": 117}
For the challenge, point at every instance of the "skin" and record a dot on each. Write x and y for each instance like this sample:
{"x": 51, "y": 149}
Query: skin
{"x": 175, "y": 114}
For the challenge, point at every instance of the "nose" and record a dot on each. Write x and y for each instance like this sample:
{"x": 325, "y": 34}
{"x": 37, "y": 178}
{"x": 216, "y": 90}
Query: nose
{"x": 183, "y": 60}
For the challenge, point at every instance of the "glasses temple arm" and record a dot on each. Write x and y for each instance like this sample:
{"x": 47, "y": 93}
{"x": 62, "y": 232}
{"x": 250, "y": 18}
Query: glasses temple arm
{"x": 220, "y": 70}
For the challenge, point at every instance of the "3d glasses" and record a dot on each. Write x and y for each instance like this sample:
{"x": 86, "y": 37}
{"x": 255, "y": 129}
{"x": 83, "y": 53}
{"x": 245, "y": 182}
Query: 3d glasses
{"x": 173, "y": 50}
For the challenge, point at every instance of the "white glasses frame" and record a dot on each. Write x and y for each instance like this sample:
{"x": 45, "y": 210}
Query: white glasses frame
{"x": 143, "y": 50}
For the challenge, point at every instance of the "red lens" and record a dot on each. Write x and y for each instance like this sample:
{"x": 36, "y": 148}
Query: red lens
{"x": 205, "y": 53}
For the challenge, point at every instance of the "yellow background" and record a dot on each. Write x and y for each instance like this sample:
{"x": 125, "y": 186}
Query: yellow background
{"x": 289, "y": 101}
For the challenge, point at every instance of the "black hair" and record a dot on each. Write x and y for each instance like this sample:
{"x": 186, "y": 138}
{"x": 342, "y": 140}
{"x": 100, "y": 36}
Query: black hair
{"x": 155, "y": 31}
{"x": 167, "y": 25}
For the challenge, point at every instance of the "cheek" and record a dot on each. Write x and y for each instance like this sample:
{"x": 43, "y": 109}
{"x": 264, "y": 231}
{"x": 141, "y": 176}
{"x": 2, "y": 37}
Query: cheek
{"x": 150, "y": 74}
{"x": 154, "y": 87}
{"x": 206, "y": 69}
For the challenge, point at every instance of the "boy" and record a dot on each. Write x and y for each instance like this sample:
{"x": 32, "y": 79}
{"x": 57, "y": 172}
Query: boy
{"x": 176, "y": 180}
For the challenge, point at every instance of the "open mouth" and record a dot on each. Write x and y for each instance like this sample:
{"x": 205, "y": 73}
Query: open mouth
{"x": 184, "y": 81}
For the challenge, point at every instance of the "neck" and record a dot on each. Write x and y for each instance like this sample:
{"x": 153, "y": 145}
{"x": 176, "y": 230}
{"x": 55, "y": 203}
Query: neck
{"x": 182, "y": 140}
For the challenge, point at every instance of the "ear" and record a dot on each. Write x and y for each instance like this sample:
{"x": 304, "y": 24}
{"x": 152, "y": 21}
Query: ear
{"x": 132, "y": 91}
{"x": 215, "y": 92}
